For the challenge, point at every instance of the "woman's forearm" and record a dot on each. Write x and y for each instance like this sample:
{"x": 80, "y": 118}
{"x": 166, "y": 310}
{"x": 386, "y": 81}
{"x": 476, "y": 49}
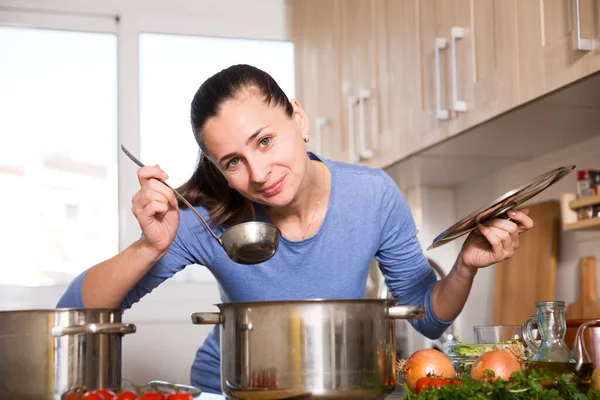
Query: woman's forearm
{"x": 107, "y": 283}
{"x": 450, "y": 294}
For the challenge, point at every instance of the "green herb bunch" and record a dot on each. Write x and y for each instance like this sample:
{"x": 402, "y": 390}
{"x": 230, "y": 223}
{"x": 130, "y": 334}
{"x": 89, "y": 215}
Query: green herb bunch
{"x": 535, "y": 385}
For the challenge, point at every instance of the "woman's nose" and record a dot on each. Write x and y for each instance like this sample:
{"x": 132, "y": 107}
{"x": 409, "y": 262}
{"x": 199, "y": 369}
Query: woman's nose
{"x": 259, "y": 170}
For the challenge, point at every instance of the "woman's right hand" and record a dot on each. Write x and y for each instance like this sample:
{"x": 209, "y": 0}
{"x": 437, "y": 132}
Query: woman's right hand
{"x": 155, "y": 208}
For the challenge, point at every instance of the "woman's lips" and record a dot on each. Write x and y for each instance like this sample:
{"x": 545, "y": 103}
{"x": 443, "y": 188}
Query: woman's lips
{"x": 274, "y": 188}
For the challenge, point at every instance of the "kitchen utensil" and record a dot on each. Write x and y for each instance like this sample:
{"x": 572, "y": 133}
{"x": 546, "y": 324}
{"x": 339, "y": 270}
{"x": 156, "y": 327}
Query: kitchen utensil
{"x": 530, "y": 274}
{"x": 169, "y": 387}
{"x": 247, "y": 243}
{"x": 587, "y": 306}
{"x": 45, "y": 353}
{"x": 317, "y": 349}
{"x": 499, "y": 207}
{"x": 551, "y": 324}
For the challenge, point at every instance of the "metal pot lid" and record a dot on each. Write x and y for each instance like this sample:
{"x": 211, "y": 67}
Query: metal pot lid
{"x": 499, "y": 207}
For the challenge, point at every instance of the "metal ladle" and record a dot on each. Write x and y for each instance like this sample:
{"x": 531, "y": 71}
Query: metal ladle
{"x": 247, "y": 243}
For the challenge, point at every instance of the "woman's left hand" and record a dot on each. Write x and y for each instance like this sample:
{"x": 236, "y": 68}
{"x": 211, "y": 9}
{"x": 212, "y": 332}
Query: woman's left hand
{"x": 495, "y": 241}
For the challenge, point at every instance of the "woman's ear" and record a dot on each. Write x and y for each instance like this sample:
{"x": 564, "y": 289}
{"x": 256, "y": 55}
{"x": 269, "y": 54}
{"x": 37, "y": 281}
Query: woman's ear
{"x": 301, "y": 119}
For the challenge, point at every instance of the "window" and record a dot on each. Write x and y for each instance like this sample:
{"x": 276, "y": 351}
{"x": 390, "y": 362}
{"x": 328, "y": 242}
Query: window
{"x": 58, "y": 161}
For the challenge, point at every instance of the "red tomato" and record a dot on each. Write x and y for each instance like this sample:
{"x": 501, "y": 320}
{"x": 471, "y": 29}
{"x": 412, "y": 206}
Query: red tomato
{"x": 430, "y": 382}
{"x": 105, "y": 394}
{"x": 151, "y": 395}
{"x": 73, "y": 397}
{"x": 125, "y": 396}
{"x": 92, "y": 396}
{"x": 179, "y": 396}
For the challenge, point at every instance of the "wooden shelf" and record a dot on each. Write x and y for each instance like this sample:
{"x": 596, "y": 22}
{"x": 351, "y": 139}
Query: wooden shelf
{"x": 586, "y": 201}
{"x": 589, "y": 224}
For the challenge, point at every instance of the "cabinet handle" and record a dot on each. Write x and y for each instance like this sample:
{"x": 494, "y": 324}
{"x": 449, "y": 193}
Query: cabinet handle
{"x": 441, "y": 113}
{"x": 352, "y": 101}
{"x": 458, "y": 32}
{"x": 320, "y": 123}
{"x": 582, "y": 43}
{"x": 363, "y": 152}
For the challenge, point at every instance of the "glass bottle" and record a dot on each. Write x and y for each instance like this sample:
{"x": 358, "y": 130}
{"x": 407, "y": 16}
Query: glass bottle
{"x": 551, "y": 326}
{"x": 552, "y": 357}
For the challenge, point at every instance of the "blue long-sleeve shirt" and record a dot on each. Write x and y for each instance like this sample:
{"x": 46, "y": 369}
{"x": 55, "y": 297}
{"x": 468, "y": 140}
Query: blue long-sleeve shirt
{"x": 367, "y": 217}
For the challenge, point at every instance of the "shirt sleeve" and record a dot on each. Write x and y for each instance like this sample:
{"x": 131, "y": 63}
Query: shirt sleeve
{"x": 71, "y": 298}
{"x": 176, "y": 259}
{"x": 405, "y": 268}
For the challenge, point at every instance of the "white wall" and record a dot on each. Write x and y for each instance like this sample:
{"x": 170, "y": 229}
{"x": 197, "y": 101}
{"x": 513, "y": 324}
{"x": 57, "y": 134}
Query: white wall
{"x": 572, "y": 245}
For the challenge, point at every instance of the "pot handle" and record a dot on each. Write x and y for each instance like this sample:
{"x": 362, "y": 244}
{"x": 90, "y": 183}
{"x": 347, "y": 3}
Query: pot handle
{"x": 406, "y": 312}
{"x": 206, "y": 318}
{"x": 122, "y": 329}
{"x": 169, "y": 387}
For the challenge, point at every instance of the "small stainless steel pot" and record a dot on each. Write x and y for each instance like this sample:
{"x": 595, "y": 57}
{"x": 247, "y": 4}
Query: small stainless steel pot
{"x": 318, "y": 349}
{"x": 45, "y": 353}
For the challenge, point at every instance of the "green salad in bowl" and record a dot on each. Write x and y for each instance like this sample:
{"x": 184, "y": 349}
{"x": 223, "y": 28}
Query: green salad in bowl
{"x": 464, "y": 355}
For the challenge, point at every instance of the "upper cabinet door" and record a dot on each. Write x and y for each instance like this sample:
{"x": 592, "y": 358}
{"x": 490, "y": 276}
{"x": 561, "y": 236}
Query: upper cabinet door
{"x": 316, "y": 35}
{"x": 439, "y": 44}
{"x": 494, "y": 43}
{"x": 558, "y": 43}
{"x": 570, "y": 40}
{"x": 360, "y": 84}
{"x": 399, "y": 72}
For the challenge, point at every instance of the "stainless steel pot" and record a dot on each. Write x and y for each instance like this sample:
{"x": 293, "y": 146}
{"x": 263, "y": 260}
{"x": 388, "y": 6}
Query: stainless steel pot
{"x": 45, "y": 353}
{"x": 318, "y": 349}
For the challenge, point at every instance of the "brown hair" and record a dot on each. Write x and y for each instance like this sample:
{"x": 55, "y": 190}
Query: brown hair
{"x": 207, "y": 186}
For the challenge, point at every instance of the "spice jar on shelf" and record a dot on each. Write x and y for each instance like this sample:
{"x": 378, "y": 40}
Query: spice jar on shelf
{"x": 594, "y": 178}
{"x": 584, "y": 189}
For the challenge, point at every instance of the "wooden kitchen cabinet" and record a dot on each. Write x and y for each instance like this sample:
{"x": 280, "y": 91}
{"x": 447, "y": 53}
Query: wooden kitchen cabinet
{"x": 565, "y": 58}
{"x": 393, "y": 77}
{"x": 401, "y": 111}
{"x": 469, "y": 74}
{"x": 316, "y": 35}
{"x": 494, "y": 75}
{"x": 359, "y": 79}
{"x": 337, "y": 79}
{"x": 550, "y": 54}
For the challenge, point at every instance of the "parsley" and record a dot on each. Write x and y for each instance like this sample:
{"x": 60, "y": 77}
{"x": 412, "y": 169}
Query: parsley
{"x": 521, "y": 386}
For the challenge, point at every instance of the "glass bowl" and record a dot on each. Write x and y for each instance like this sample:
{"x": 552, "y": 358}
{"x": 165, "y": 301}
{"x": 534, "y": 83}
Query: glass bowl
{"x": 463, "y": 355}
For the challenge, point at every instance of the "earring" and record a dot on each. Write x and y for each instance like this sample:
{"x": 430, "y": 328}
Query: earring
{"x": 306, "y": 138}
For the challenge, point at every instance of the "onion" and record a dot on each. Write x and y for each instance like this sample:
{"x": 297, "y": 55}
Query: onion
{"x": 423, "y": 363}
{"x": 502, "y": 362}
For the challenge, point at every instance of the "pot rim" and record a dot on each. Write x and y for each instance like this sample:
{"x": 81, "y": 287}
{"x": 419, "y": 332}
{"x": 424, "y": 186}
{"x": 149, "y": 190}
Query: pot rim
{"x": 310, "y": 301}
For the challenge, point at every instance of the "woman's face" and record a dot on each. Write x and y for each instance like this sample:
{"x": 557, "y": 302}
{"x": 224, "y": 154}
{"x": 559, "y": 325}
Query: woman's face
{"x": 258, "y": 148}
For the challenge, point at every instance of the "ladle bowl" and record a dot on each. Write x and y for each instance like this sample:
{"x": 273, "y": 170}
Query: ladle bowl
{"x": 251, "y": 242}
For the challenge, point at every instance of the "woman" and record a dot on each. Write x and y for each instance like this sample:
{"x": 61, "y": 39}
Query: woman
{"x": 334, "y": 219}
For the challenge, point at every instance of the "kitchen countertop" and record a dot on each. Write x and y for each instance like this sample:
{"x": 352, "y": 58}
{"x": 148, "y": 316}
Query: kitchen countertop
{"x": 397, "y": 394}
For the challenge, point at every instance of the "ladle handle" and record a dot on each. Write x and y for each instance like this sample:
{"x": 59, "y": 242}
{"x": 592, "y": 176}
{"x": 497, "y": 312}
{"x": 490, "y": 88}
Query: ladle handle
{"x": 179, "y": 196}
